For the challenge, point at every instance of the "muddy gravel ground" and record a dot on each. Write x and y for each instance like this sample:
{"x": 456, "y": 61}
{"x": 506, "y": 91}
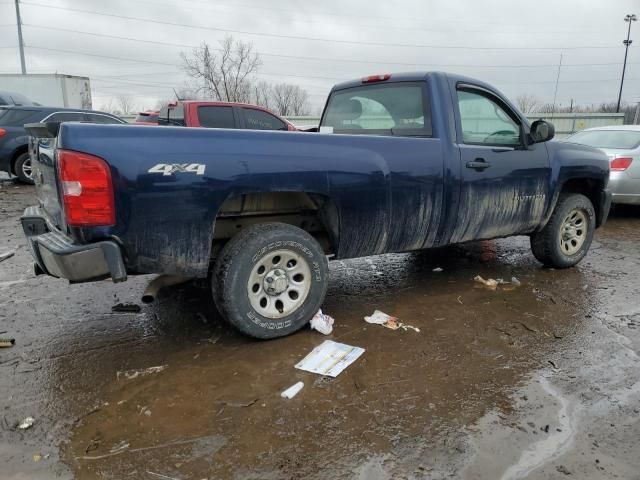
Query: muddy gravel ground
{"x": 536, "y": 381}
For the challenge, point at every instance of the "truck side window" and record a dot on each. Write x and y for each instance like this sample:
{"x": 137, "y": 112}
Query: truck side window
{"x": 485, "y": 122}
{"x": 216, "y": 117}
{"x": 259, "y": 120}
{"x": 394, "y": 109}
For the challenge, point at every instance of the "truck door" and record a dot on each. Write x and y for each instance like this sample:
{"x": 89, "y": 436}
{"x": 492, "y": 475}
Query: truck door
{"x": 504, "y": 184}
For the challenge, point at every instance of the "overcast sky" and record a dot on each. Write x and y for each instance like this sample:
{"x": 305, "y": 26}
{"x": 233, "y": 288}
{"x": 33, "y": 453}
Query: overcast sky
{"x": 515, "y": 45}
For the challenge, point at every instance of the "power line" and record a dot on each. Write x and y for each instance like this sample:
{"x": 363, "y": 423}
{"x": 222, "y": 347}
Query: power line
{"x": 431, "y": 26}
{"x": 278, "y": 74}
{"x": 327, "y": 59}
{"x": 316, "y": 39}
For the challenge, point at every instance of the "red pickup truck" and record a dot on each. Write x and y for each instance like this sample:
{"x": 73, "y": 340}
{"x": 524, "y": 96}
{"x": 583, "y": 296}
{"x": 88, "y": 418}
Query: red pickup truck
{"x": 194, "y": 113}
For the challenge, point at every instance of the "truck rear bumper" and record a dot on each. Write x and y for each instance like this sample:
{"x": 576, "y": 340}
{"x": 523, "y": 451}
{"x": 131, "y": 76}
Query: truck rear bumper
{"x": 55, "y": 255}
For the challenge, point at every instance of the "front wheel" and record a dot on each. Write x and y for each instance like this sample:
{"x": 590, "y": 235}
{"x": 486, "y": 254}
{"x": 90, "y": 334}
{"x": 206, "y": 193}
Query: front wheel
{"x": 270, "y": 279}
{"x": 566, "y": 238}
{"x": 23, "y": 169}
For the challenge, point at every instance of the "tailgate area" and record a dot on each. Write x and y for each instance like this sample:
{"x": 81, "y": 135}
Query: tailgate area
{"x": 57, "y": 256}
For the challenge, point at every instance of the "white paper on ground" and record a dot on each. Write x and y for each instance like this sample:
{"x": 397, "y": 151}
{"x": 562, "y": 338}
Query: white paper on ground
{"x": 330, "y": 358}
{"x": 292, "y": 391}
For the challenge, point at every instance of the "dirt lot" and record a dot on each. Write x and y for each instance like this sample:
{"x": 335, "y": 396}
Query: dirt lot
{"x": 540, "y": 381}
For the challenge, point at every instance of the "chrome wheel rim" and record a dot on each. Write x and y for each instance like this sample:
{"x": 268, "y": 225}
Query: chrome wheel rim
{"x": 279, "y": 283}
{"x": 573, "y": 232}
{"x": 26, "y": 168}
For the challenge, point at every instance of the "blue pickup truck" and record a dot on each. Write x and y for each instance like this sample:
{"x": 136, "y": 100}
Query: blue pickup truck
{"x": 401, "y": 162}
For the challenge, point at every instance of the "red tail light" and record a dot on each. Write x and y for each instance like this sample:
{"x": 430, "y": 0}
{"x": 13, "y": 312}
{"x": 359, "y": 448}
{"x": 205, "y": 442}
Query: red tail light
{"x": 3, "y": 132}
{"x": 376, "y": 78}
{"x": 620, "y": 164}
{"x": 86, "y": 189}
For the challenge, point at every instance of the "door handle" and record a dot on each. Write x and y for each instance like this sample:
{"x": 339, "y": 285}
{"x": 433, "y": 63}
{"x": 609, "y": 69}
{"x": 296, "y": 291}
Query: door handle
{"x": 478, "y": 164}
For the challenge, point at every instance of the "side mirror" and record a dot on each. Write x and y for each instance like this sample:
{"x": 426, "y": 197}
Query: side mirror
{"x": 541, "y": 131}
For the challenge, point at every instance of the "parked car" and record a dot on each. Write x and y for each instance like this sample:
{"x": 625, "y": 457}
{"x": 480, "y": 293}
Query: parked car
{"x": 14, "y": 140}
{"x": 147, "y": 118}
{"x": 14, "y": 98}
{"x": 194, "y": 113}
{"x": 621, "y": 143}
{"x": 402, "y": 162}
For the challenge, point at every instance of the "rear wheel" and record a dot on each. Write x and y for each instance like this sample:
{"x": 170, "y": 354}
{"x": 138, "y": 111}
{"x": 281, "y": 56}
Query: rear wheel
{"x": 23, "y": 168}
{"x": 566, "y": 238}
{"x": 270, "y": 279}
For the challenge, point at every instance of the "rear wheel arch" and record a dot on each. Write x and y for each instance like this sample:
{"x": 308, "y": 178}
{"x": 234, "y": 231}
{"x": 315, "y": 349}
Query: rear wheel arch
{"x": 315, "y": 213}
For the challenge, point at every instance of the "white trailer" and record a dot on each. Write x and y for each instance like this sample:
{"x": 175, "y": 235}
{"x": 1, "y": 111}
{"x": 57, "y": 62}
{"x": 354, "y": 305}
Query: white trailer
{"x": 51, "y": 90}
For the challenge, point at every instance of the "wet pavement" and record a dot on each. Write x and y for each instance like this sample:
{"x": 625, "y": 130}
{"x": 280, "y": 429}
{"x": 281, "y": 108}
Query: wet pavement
{"x": 537, "y": 381}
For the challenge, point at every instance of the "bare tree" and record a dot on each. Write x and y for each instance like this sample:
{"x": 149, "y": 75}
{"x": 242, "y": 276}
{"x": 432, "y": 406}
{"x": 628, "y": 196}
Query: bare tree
{"x": 126, "y": 104}
{"x": 290, "y": 99}
{"x": 262, "y": 94}
{"x": 223, "y": 74}
{"x": 527, "y": 103}
{"x": 107, "y": 107}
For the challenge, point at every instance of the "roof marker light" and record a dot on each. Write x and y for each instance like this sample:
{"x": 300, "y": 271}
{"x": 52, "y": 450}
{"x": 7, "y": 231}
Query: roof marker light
{"x": 376, "y": 78}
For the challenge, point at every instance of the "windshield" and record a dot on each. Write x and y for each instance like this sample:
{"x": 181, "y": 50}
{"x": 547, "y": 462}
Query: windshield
{"x": 10, "y": 117}
{"x": 392, "y": 109}
{"x": 621, "y": 139}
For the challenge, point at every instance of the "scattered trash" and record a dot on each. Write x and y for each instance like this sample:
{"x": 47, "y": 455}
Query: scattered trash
{"x": 7, "y": 342}
{"x": 437, "y": 269}
{"x": 37, "y": 457}
{"x": 238, "y": 403}
{"x": 555, "y": 367}
{"x": 159, "y": 475}
{"x": 126, "y": 307}
{"x": 515, "y": 282}
{"x": 460, "y": 299}
{"x": 292, "y": 391}
{"x": 489, "y": 283}
{"x": 322, "y": 323}
{"x": 26, "y": 423}
{"x": 119, "y": 447}
{"x": 5, "y": 255}
{"x": 527, "y": 327}
{"x": 329, "y": 358}
{"x": 212, "y": 340}
{"x": 94, "y": 444}
{"x": 131, "y": 374}
{"x": 387, "y": 321}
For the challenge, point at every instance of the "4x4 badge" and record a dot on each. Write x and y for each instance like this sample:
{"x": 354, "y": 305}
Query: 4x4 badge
{"x": 171, "y": 168}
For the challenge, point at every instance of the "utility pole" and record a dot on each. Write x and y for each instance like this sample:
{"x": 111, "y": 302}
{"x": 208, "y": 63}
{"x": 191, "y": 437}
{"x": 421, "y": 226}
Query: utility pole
{"x": 629, "y": 18}
{"x": 20, "y": 42}
{"x": 555, "y": 93}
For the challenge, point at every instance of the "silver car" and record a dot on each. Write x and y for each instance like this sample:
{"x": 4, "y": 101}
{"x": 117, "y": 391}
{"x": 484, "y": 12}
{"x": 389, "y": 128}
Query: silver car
{"x": 621, "y": 143}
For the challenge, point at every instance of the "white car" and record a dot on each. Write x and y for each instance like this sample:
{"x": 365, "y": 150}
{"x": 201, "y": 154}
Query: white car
{"x": 621, "y": 143}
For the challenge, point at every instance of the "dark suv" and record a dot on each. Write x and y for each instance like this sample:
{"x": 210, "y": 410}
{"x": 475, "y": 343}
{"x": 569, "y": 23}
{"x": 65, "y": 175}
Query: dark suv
{"x": 14, "y": 140}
